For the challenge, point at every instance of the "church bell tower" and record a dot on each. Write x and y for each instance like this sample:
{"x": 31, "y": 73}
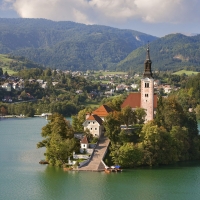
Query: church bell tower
{"x": 147, "y": 89}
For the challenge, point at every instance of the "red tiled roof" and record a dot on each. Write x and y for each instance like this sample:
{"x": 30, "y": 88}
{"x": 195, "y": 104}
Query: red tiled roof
{"x": 134, "y": 100}
{"x": 102, "y": 111}
{"x": 84, "y": 140}
{"x": 96, "y": 118}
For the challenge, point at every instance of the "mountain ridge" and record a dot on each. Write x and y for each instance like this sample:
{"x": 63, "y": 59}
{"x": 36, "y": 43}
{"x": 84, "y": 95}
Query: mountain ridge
{"x": 68, "y": 45}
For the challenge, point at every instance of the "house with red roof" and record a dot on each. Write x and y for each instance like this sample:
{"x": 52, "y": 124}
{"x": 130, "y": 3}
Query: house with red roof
{"x": 102, "y": 111}
{"x": 94, "y": 124}
{"x": 94, "y": 121}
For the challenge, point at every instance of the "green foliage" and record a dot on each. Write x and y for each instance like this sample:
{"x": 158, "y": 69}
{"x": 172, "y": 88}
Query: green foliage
{"x": 171, "y": 137}
{"x": 172, "y": 52}
{"x": 77, "y": 120}
{"x": 114, "y": 102}
{"x": 128, "y": 116}
{"x": 68, "y": 45}
{"x": 1, "y": 71}
{"x": 12, "y": 64}
{"x": 187, "y": 72}
{"x": 59, "y": 141}
{"x": 112, "y": 127}
{"x": 127, "y": 155}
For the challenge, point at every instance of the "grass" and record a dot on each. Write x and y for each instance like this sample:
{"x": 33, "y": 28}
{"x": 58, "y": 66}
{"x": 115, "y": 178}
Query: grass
{"x": 102, "y": 81}
{"x": 108, "y": 73}
{"x": 92, "y": 104}
{"x": 5, "y": 63}
{"x": 188, "y": 73}
{"x": 9, "y": 71}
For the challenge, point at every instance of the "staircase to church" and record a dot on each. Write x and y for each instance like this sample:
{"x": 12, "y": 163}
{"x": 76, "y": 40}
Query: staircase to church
{"x": 95, "y": 163}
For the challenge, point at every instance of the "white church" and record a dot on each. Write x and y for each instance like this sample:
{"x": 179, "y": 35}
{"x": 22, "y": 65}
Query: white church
{"x": 146, "y": 98}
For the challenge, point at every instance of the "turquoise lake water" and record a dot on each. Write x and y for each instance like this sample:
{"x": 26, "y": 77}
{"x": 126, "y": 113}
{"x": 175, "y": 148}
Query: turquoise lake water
{"x": 22, "y": 178}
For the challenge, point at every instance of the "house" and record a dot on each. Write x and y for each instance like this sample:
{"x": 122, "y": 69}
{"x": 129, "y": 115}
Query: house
{"x": 102, "y": 111}
{"x": 84, "y": 144}
{"x": 157, "y": 83}
{"x": 120, "y": 88}
{"x": 54, "y": 83}
{"x": 40, "y": 81}
{"x": 146, "y": 99}
{"x": 135, "y": 86}
{"x": 31, "y": 80}
{"x": 79, "y": 91}
{"x": 94, "y": 124}
{"x": 94, "y": 120}
{"x": 15, "y": 86}
{"x": 7, "y": 87}
{"x": 167, "y": 89}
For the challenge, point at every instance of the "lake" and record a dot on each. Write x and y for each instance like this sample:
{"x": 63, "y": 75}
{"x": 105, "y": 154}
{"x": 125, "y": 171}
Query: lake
{"x": 22, "y": 178}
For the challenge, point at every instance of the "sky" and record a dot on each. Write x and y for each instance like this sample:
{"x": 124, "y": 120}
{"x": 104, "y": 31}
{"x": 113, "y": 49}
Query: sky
{"x": 154, "y": 17}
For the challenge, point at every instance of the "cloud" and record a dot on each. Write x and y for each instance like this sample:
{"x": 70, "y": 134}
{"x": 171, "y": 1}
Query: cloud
{"x": 109, "y": 11}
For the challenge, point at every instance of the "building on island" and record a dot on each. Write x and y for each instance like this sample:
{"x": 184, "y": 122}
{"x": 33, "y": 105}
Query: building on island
{"x": 94, "y": 120}
{"x": 146, "y": 99}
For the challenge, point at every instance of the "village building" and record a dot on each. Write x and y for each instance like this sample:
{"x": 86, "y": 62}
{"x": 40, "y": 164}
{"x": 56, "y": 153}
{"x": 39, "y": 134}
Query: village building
{"x": 94, "y": 120}
{"x": 7, "y": 87}
{"x": 146, "y": 98}
{"x": 102, "y": 111}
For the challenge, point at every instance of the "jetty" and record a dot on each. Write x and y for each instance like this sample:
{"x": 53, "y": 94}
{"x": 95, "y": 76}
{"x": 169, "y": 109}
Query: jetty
{"x": 96, "y": 160}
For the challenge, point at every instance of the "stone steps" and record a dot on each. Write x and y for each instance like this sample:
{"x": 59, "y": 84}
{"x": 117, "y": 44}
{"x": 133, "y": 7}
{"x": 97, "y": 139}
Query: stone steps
{"x": 95, "y": 163}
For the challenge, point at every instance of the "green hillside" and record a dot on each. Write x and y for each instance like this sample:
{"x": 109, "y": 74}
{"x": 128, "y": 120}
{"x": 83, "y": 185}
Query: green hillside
{"x": 12, "y": 64}
{"x": 172, "y": 52}
{"x": 68, "y": 45}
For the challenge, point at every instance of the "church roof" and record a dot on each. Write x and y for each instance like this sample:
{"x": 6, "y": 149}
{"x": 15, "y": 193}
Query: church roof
{"x": 96, "y": 118}
{"x": 134, "y": 100}
{"x": 102, "y": 111}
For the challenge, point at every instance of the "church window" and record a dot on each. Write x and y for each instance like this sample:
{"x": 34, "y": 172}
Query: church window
{"x": 146, "y": 95}
{"x": 146, "y": 85}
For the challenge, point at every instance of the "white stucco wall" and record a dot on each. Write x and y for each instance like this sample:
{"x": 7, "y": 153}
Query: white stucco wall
{"x": 94, "y": 127}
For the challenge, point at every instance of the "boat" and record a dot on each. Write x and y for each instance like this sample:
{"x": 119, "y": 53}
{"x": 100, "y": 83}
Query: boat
{"x": 67, "y": 169}
{"x": 43, "y": 162}
{"x": 113, "y": 169}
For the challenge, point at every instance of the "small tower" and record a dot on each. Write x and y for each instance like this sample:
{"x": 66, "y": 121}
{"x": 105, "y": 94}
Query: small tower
{"x": 147, "y": 89}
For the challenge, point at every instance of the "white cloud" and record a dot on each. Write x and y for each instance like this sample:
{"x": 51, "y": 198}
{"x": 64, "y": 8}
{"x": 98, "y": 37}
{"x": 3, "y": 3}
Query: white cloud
{"x": 109, "y": 11}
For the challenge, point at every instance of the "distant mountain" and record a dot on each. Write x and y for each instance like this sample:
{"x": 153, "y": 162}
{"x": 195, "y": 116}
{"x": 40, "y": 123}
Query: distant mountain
{"x": 68, "y": 45}
{"x": 172, "y": 52}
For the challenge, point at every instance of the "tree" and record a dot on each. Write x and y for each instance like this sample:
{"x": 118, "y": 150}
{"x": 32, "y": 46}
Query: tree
{"x": 59, "y": 141}
{"x": 112, "y": 127}
{"x": 3, "y": 110}
{"x": 157, "y": 145}
{"x": 172, "y": 113}
{"x": 128, "y": 116}
{"x": 140, "y": 115}
{"x": 77, "y": 121}
{"x": 126, "y": 155}
{"x": 6, "y": 74}
{"x": 1, "y": 71}
{"x": 159, "y": 112}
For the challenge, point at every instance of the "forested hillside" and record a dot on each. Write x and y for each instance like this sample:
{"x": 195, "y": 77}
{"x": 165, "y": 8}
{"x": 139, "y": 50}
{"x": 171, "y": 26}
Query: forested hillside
{"x": 68, "y": 45}
{"x": 172, "y": 52}
{"x": 15, "y": 63}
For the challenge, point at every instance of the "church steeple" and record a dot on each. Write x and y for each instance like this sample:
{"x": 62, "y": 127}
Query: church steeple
{"x": 147, "y": 65}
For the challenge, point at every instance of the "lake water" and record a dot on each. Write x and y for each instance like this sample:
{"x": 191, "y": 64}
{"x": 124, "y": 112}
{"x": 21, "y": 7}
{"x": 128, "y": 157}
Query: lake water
{"x": 22, "y": 178}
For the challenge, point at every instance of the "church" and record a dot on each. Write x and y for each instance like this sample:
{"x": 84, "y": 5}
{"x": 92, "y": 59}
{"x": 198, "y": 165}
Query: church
{"x": 146, "y": 98}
